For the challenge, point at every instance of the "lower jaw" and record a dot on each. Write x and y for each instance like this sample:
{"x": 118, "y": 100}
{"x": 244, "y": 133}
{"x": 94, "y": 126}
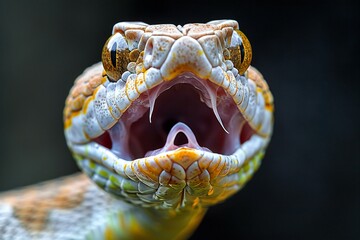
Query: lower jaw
{"x": 184, "y": 178}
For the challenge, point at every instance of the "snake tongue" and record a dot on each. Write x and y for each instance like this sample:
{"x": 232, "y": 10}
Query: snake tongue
{"x": 172, "y": 136}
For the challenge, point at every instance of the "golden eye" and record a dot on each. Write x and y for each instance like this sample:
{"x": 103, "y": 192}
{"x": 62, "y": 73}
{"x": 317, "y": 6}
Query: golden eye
{"x": 240, "y": 51}
{"x": 115, "y": 56}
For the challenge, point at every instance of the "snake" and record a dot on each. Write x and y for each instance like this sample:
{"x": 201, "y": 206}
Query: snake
{"x": 172, "y": 121}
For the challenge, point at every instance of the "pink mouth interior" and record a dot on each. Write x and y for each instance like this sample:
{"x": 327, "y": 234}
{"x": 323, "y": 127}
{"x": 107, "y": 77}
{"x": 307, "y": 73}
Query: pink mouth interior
{"x": 182, "y": 116}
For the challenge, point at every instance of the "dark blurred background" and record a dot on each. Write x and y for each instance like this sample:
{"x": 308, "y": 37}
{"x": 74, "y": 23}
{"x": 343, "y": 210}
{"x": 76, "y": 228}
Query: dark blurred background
{"x": 308, "y": 186}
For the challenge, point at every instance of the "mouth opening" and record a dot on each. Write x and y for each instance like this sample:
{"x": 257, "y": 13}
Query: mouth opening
{"x": 184, "y": 112}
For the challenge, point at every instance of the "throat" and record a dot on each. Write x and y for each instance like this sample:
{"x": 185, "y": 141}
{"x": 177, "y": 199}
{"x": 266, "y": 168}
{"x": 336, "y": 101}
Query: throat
{"x": 171, "y": 224}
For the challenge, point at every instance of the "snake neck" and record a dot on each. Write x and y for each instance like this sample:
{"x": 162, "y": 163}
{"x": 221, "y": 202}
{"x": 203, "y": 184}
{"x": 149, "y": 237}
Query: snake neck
{"x": 75, "y": 208}
{"x": 149, "y": 223}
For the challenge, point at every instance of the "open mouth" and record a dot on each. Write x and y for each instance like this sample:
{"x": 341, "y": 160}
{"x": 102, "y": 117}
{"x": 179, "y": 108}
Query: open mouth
{"x": 186, "y": 112}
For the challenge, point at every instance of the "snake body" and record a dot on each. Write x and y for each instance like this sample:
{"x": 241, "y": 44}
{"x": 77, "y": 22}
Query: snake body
{"x": 173, "y": 121}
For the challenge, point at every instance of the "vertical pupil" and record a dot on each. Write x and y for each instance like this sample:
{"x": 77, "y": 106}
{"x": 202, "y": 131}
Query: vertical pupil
{"x": 242, "y": 52}
{"x": 113, "y": 54}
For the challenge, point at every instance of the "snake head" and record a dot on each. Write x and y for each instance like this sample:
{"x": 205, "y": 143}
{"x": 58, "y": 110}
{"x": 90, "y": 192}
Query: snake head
{"x": 174, "y": 117}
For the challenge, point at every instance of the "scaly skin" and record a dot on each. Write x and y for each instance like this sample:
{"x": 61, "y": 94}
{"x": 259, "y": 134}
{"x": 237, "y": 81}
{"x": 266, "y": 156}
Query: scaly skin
{"x": 163, "y": 195}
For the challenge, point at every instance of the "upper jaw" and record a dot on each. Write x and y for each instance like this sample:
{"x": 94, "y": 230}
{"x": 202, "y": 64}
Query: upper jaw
{"x": 111, "y": 100}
